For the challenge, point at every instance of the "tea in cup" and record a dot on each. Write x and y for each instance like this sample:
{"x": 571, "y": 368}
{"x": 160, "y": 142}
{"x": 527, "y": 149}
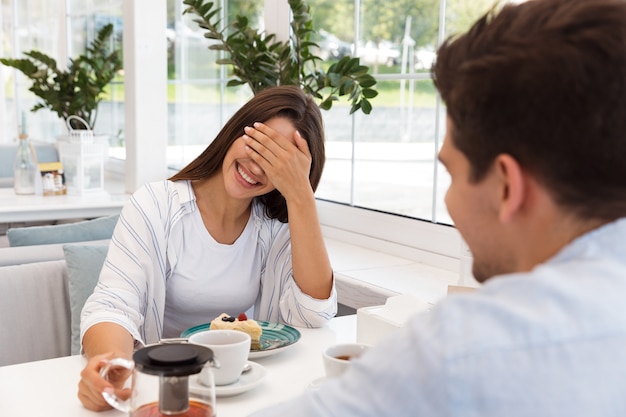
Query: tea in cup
{"x": 337, "y": 357}
{"x": 230, "y": 351}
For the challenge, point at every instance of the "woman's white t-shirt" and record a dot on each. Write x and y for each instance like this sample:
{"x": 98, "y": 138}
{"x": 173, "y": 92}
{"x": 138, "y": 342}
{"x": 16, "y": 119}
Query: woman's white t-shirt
{"x": 149, "y": 244}
{"x": 211, "y": 278}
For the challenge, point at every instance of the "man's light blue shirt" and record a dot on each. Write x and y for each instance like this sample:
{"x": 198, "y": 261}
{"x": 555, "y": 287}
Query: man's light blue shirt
{"x": 550, "y": 342}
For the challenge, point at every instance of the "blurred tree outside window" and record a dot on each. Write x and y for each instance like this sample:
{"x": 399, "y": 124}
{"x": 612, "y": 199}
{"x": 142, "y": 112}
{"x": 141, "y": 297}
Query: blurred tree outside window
{"x": 387, "y": 161}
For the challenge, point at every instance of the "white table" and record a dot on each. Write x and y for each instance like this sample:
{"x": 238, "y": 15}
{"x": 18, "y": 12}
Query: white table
{"x": 26, "y": 208}
{"x": 48, "y": 388}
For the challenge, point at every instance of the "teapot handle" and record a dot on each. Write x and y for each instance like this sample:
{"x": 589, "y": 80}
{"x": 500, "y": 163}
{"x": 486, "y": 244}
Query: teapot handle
{"x": 112, "y": 399}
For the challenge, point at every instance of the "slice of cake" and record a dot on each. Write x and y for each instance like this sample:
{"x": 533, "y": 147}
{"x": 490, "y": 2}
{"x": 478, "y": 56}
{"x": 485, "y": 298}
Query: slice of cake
{"x": 241, "y": 323}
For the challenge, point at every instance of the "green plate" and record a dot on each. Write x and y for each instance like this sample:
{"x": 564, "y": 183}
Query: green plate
{"x": 275, "y": 337}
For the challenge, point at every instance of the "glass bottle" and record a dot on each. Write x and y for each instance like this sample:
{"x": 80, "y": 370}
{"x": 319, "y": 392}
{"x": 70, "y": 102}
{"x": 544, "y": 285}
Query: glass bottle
{"x": 24, "y": 168}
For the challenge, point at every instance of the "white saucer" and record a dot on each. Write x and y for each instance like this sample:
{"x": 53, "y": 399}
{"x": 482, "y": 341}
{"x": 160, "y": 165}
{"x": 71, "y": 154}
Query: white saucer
{"x": 246, "y": 382}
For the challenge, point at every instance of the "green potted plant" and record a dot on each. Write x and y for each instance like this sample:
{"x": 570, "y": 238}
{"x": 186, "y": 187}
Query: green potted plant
{"x": 260, "y": 61}
{"x": 78, "y": 90}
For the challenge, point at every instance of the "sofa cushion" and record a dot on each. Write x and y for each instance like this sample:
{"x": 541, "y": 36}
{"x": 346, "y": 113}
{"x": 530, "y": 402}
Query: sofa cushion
{"x": 95, "y": 229}
{"x": 84, "y": 263}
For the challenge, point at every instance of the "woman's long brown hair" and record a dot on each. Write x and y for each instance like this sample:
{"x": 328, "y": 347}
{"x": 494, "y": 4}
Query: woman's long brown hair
{"x": 285, "y": 101}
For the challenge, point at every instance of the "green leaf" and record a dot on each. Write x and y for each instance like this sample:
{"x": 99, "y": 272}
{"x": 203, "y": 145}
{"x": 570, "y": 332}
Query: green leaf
{"x": 352, "y": 65}
{"x": 366, "y": 106}
{"x": 342, "y": 63}
{"x": 369, "y": 93}
{"x": 367, "y": 82}
{"x": 326, "y": 104}
{"x": 234, "y": 83}
{"x": 334, "y": 79}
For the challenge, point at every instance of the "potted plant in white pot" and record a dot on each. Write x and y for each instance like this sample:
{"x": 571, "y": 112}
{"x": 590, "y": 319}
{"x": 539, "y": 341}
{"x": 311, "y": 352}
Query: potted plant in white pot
{"x": 260, "y": 61}
{"x": 74, "y": 95}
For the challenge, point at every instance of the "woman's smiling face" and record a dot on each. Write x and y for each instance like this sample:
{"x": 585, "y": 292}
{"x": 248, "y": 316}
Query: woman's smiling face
{"x": 244, "y": 178}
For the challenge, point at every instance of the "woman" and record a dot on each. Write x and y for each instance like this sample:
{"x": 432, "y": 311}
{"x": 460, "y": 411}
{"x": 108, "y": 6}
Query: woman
{"x": 236, "y": 230}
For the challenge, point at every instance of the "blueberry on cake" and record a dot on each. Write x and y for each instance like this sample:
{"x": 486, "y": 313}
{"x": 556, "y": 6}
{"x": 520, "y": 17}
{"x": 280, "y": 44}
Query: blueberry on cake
{"x": 241, "y": 323}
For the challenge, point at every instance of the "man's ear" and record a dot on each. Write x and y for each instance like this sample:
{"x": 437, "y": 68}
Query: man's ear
{"x": 512, "y": 186}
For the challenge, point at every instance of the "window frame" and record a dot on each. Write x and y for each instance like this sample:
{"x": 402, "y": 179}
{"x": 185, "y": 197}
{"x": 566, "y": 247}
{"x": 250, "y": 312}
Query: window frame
{"x": 425, "y": 241}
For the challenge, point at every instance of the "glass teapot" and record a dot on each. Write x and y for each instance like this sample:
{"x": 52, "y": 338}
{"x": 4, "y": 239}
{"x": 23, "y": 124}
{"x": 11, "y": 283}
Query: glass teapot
{"x": 160, "y": 379}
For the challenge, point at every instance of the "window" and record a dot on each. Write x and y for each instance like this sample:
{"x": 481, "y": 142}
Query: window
{"x": 198, "y": 100}
{"x": 384, "y": 162}
{"x": 27, "y": 25}
{"x": 84, "y": 19}
{"x": 387, "y": 160}
{"x": 60, "y": 29}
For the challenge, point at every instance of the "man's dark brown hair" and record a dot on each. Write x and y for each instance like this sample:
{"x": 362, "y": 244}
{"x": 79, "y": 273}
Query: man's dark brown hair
{"x": 545, "y": 81}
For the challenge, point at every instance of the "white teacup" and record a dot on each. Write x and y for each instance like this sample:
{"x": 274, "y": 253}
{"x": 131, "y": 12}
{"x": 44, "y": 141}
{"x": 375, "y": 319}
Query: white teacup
{"x": 337, "y": 357}
{"x": 230, "y": 348}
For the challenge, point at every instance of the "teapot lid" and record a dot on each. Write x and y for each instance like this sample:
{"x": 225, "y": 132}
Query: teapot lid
{"x": 172, "y": 359}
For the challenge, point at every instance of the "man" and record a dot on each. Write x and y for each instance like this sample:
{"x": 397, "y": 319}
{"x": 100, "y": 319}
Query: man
{"x": 536, "y": 149}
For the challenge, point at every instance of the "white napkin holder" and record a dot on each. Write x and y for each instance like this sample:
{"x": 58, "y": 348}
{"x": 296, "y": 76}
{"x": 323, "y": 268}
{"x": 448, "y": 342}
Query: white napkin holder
{"x": 375, "y": 322}
{"x": 83, "y": 160}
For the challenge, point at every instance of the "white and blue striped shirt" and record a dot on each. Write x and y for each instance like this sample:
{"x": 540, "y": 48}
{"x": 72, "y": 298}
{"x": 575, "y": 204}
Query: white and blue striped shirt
{"x": 143, "y": 255}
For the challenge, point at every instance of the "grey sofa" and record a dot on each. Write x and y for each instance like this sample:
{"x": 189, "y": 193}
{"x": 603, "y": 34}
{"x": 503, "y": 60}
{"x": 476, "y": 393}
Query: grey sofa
{"x": 46, "y": 275}
{"x": 35, "y": 303}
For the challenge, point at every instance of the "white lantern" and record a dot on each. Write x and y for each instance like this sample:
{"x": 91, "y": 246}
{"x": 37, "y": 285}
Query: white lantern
{"x": 83, "y": 160}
